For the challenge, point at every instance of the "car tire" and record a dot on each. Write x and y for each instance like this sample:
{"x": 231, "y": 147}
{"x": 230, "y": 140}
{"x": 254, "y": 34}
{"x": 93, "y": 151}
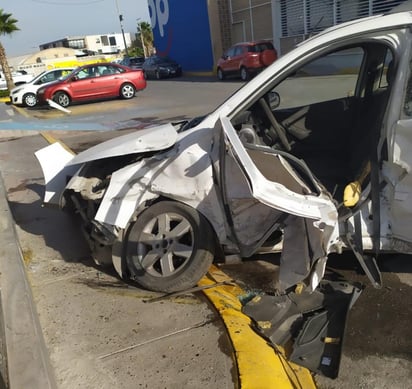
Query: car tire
{"x": 244, "y": 74}
{"x": 220, "y": 74}
{"x": 169, "y": 248}
{"x": 62, "y": 98}
{"x": 29, "y": 100}
{"x": 127, "y": 91}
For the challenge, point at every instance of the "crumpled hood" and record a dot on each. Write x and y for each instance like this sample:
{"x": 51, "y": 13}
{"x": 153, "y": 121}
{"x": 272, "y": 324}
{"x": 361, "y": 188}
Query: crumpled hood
{"x": 58, "y": 163}
{"x": 148, "y": 139}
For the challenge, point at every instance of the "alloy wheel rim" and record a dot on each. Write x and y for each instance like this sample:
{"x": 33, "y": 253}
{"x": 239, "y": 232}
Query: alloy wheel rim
{"x": 165, "y": 245}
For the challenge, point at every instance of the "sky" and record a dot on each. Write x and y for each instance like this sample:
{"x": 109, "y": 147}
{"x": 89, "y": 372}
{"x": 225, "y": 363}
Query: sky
{"x": 42, "y": 21}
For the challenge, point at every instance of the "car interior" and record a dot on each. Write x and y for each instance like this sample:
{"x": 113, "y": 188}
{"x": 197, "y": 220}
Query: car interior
{"x": 324, "y": 118}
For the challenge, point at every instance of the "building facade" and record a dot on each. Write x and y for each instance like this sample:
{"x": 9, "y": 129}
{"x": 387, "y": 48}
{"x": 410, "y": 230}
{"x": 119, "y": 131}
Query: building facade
{"x": 196, "y": 33}
{"x": 92, "y": 44}
{"x": 287, "y": 22}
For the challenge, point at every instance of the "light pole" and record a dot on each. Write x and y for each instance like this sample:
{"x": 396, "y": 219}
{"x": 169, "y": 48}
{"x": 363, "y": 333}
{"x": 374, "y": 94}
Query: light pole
{"x": 121, "y": 28}
{"x": 141, "y": 37}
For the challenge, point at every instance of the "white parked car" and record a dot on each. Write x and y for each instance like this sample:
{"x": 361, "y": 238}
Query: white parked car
{"x": 25, "y": 94}
{"x": 19, "y": 77}
{"x": 312, "y": 156}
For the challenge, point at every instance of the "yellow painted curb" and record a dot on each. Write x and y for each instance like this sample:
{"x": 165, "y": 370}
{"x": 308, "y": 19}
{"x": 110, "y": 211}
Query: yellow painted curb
{"x": 51, "y": 139}
{"x": 260, "y": 366}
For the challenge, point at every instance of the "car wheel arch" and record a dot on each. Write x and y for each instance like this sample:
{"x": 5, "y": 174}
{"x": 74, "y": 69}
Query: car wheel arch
{"x": 26, "y": 97}
{"x": 132, "y": 252}
{"x": 244, "y": 73}
{"x": 118, "y": 251}
{"x": 129, "y": 93}
{"x": 220, "y": 73}
{"x": 60, "y": 92}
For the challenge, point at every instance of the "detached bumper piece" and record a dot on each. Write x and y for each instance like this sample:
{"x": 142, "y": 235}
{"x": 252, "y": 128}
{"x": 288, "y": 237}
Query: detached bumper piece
{"x": 310, "y": 326}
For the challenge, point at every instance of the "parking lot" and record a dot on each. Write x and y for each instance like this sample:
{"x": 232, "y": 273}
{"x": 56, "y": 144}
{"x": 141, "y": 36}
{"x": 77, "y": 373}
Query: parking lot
{"x": 100, "y": 332}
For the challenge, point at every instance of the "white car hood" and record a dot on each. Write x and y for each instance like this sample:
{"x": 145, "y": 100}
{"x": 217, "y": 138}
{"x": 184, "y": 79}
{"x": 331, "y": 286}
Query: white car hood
{"x": 57, "y": 163}
{"x": 148, "y": 139}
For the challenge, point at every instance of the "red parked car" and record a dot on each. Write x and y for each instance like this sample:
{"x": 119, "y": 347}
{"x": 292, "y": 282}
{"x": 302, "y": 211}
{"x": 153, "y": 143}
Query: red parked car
{"x": 92, "y": 82}
{"x": 246, "y": 59}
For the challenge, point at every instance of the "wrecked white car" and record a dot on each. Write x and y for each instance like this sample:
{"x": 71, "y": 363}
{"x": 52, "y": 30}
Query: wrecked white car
{"x": 312, "y": 156}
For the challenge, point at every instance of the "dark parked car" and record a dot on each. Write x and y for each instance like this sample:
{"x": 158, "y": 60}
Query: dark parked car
{"x": 132, "y": 62}
{"x": 246, "y": 59}
{"x": 161, "y": 67}
{"x": 94, "y": 81}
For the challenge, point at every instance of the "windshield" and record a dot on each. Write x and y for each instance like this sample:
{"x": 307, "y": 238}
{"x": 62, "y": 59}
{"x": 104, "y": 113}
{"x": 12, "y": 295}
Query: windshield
{"x": 38, "y": 77}
{"x": 53, "y": 75}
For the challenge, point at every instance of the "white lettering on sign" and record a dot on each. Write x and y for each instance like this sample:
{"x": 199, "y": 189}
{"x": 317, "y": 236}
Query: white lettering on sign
{"x": 159, "y": 13}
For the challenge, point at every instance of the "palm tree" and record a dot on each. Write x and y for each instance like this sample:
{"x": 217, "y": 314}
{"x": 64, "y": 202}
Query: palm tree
{"x": 7, "y": 27}
{"x": 145, "y": 33}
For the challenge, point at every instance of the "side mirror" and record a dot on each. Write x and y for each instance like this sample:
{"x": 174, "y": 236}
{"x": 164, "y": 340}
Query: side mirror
{"x": 75, "y": 78}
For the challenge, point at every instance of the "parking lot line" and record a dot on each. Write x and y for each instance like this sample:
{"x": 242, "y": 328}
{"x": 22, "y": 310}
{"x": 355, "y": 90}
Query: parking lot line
{"x": 259, "y": 364}
{"x": 51, "y": 139}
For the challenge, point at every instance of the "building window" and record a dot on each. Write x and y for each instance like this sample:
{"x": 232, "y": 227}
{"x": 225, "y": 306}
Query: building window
{"x": 77, "y": 44}
{"x": 105, "y": 40}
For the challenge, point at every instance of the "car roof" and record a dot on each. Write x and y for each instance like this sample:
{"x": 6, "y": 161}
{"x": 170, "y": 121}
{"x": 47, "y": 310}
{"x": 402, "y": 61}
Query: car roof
{"x": 65, "y": 68}
{"x": 252, "y": 43}
{"x": 94, "y": 64}
{"x": 365, "y": 25}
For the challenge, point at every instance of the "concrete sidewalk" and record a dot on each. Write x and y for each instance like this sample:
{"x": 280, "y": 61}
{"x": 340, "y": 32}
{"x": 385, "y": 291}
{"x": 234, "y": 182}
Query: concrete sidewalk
{"x": 23, "y": 337}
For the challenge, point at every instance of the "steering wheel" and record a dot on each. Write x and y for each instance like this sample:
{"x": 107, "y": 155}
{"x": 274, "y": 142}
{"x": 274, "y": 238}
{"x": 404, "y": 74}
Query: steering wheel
{"x": 278, "y": 129}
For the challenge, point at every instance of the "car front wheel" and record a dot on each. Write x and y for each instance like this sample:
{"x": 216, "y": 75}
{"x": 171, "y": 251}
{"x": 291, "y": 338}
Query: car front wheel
{"x": 62, "y": 99}
{"x": 220, "y": 74}
{"x": 29, "y": 100}
{"x": 127, "y": 91}
{"x": 244, "y": 74}
{"x": 169, "y": 248}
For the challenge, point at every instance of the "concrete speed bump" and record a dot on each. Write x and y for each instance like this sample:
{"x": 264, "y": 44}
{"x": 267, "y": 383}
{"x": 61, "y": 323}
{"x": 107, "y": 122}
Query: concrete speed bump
{"x": 259, "y": 365}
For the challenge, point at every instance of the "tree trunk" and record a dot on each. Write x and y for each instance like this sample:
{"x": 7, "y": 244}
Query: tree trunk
{"x": 6, "y": 69}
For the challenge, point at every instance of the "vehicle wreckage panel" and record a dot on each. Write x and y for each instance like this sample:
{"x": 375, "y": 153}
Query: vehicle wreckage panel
{"x": 306, "y": 240}
{"x": 53, "y": 160}
{"x": 401, "y": 179}
{"x": 184, "y": 174}
{"x": 146, "y": 140}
